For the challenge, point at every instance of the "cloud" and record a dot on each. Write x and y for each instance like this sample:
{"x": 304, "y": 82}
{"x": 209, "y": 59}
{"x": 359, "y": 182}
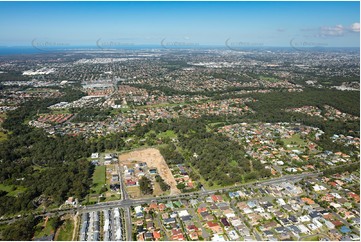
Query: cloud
{"x": 308, "y": 29}
{"x": 338, "y": 30}
{"x": 355, "y": 27}
{"x": 327, "y": 31}
{"x": 281, "y": 30}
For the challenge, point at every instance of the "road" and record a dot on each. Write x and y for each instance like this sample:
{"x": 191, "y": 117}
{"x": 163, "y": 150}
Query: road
{"x": 128, "y": 223}
{"x": 133, "y": 202}
{"x": 127, "y": 203}
{"x": 124, "y": 193}
{"x": 126, "y": 209}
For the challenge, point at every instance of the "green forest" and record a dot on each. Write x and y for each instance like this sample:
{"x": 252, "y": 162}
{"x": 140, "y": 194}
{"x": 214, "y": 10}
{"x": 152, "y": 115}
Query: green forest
{"x": 216, "y": 154}
{"x": 51, "y": 168}
{"x": 44, "y": 170}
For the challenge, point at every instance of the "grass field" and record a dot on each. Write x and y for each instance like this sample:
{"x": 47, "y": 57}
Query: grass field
{"x": 12, "y": 189}
{"x": 134, "y": 192}
{"x": 58, "y": 111}
{"x": 108, "y": 197}
{"x": 311, "y": 238}
{"x": 216, "y": 124}
{"x": 41, "y": 230}
{"x": 295, "y": 140}
{"x": 98, "y": 179}
{"x": 159, "y": 105}
{"x": 270, "y": 79}
{"x": 234, "y": 163}
{"x": 157, "y": 190}
{"x": 3, "y": 136}
{"x": 167, "y": 134}
{"x": 93, "y": 198}
{"x": 40, "y": 90}
{"x": 65, "y": 232}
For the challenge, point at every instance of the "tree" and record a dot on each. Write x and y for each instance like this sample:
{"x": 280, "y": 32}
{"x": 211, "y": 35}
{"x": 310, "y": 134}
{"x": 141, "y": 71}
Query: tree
{"x": 163, "y": 185}
{"x": 55, "y": 222}
{"x": 145, "y": 185}
{"x": 181, "y": 186}
{"x": 23, "y": 229}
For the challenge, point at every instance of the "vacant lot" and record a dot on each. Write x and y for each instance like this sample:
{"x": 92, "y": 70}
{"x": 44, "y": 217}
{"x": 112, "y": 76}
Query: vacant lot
{"x": 153, "y": 158}
{"x": 134, "y": 192}
{"x": 98, "y": 179}
{"x": 65, "y": 232}
{"x": 43, "y": 228}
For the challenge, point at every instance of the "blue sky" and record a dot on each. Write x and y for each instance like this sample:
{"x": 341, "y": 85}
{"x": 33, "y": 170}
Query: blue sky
{"x": 202, "y": 23}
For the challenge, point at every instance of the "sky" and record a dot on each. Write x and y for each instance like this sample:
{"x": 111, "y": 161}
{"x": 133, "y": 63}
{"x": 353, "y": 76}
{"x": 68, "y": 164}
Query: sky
{"x": 106, "y": 24}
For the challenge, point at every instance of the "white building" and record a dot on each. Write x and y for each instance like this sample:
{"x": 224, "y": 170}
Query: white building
{"x": 95, "y": 155}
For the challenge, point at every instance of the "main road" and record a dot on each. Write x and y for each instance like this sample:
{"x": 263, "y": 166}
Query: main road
{"x": 134, "y": 202}
{"x": 126, "y": 203}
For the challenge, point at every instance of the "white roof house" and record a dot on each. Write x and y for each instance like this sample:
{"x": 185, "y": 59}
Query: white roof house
{"x": 281, "y": 202}
{"x": 138, "y": 209}
{"x": 95, "y": 155}
{"x": 218, "y": 237}
{"x": 303, "y": 229}
{"x": 183, "y": 213}
{"x": 233, "y": 235}
{"x": 304, "y": 218}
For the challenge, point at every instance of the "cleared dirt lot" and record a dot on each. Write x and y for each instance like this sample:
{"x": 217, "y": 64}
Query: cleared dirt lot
{"x": 153, "y": 158}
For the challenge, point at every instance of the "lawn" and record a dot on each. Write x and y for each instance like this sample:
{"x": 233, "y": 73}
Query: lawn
{"x": 12, "y": 190}
{"x": 159, "y": 105}
{"x": 217, "y": 124}
{"x": 38, "y": 90}
{"x": 134, "y": 192}
{"x": 108, "y": 197}
{"x": 311, "y": 238}
{"x": 119, "y": 111}
{"x": 270, "y": 79}
{"x": 93, "y": 198}
{"x": 65, "y": 232}
{"x": 60, "y": 111}
{"x": 3, "y": 136}
{"x": 295, "y": 140}
{"x": 98, "y": 178}
{"x": 167, "y": 134}
{"x": 158, "y": 191}
{"x": 234, "y": 163}
{"x": 41, "y": 230}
